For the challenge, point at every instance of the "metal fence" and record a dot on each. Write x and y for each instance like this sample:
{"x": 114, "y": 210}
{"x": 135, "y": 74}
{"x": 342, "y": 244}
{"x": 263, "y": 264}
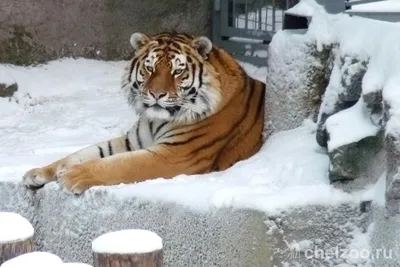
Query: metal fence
{"x": 245, "y": 27}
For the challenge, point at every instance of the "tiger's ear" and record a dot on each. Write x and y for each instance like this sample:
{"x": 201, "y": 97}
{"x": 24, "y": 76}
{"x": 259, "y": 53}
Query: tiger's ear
{"x": 138, "y": 40}
{"x": 203, "y": 45}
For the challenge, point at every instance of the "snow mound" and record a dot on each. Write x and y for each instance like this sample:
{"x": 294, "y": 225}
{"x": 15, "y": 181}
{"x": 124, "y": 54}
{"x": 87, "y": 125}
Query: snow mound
{"x": 14, "y": 227}
{"x": 34, "y": 259}
{"x": 127, "y": 242}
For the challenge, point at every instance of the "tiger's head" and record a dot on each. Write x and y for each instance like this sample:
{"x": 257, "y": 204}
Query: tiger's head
{"x": 169, "y": 77}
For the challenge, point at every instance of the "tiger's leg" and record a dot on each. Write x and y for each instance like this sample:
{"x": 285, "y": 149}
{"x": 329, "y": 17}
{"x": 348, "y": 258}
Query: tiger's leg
{"x": 132, "y": 167}
{"x": 37, "y": 177}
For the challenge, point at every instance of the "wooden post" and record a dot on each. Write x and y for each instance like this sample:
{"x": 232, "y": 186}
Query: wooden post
{"x": 16, "y": 236}
{"x": 128, "y": 248}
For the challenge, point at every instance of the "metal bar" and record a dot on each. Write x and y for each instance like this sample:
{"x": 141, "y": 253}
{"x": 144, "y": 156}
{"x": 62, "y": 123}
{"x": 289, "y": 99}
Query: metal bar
{"x": 224, "y": 17}
{"x": 217, "y": 5}
{"x": 266, "y": 17}
{"x": 273, "y": 15}
{"x": 259, "y": 15}
{"x": 246, "y": 16}
{"x": 242, "y": 48}
{"x": 250, "y": 34}
{"x": 234, "y": 17}
{"x": 216, "y": 23}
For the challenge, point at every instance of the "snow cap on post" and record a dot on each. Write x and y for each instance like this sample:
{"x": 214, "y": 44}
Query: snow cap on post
{"x": 16, "y": 236}
{"x": 35, "y": 259}
{"x": 141, "y": 247}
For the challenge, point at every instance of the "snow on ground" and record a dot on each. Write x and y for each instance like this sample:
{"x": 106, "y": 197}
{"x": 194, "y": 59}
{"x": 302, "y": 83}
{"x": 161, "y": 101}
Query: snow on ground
{"x": 75, "y": 103}
{"x": 127, "y": 242}
{"x": 14, "y": 227}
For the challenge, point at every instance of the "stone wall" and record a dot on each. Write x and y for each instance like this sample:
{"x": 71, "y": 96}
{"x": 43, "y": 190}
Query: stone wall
{"x": 37, "y": 31}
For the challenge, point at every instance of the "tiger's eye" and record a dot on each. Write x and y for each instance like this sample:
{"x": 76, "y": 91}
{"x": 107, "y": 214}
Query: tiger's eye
{"x": 178, "y": 72}
{"x": 149, "y": 69}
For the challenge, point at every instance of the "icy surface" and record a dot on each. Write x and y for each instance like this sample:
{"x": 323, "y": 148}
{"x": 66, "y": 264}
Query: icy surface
{"x": 14, "y": 227}
{"x": 34, "y": 259}
{"x": 349, "y": 126}
{"x": 127, "y": 242}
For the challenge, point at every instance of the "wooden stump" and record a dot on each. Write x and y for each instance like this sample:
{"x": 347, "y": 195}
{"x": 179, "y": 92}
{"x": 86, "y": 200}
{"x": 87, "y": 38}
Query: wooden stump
{"x": 128, "y": 248}
{"x": 16, "y": 236}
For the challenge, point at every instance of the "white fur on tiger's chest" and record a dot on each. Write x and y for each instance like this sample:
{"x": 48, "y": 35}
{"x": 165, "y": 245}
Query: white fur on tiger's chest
{"x": 146, "y": 133}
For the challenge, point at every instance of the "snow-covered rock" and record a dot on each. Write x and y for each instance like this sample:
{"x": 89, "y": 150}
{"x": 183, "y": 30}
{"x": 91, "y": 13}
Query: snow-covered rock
{"x": 297, "y": 75}
{"x": 343, "y": 91}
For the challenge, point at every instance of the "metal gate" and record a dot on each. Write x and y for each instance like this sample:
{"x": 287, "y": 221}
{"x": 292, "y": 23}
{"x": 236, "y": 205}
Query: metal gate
{"x": 245, "y": 27}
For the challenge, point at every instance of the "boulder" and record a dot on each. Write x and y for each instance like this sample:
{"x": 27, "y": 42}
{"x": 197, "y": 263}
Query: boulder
{"x": 298, "y": 73}
{"x": 343, "y": 91}
{"x": 8, "y": 90}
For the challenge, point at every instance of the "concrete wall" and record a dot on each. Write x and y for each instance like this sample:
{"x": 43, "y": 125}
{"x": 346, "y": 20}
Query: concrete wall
{"x": 34, "y": 31}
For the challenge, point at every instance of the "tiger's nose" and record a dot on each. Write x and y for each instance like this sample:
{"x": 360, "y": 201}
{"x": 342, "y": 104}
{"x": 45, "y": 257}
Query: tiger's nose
{"x": 158, "y": 95}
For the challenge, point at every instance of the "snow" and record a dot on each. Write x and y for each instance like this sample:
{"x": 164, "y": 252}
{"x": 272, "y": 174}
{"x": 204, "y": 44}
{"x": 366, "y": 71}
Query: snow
{"x": 258, "y": 73}
{"x": 6, "y": 78}
{"x": 77, "y": 111}
{"x": 14, "y": 227}
{"x": 127, "y": 242}
{"x": 380, "y": 6}
{"x": 306, "y": 8}
{"x": 34, "y": 259}
{"x": 350, "y": 125}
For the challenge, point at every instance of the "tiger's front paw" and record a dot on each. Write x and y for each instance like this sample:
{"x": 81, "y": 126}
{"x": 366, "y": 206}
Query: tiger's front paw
{"x": 37, "y": 178}
{"x": 78, "y": 178}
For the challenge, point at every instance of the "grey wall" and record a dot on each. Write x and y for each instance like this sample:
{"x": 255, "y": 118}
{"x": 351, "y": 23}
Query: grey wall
{"x": 34, "y": 31}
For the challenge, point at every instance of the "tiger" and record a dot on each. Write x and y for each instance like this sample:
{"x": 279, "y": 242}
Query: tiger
{"x": 198, "y": 112}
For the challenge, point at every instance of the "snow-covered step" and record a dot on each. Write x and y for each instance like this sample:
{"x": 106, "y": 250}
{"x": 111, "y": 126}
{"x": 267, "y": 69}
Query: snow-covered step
{"x": 216, "y": 237}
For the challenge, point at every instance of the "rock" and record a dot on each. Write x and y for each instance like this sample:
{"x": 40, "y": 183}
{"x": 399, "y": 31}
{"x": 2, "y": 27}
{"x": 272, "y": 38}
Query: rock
{"x": 392, "y": 145}
{"x": 343, "y": 91}
{"x": 374, "y": 103}
{"x": 352, "y": 160}
{"x": 298, "y": 73}
{"x": 8, "y": 90}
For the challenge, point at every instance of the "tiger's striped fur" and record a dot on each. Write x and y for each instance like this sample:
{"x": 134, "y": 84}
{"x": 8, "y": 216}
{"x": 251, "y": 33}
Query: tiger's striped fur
{"x": 198, "y": 110}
